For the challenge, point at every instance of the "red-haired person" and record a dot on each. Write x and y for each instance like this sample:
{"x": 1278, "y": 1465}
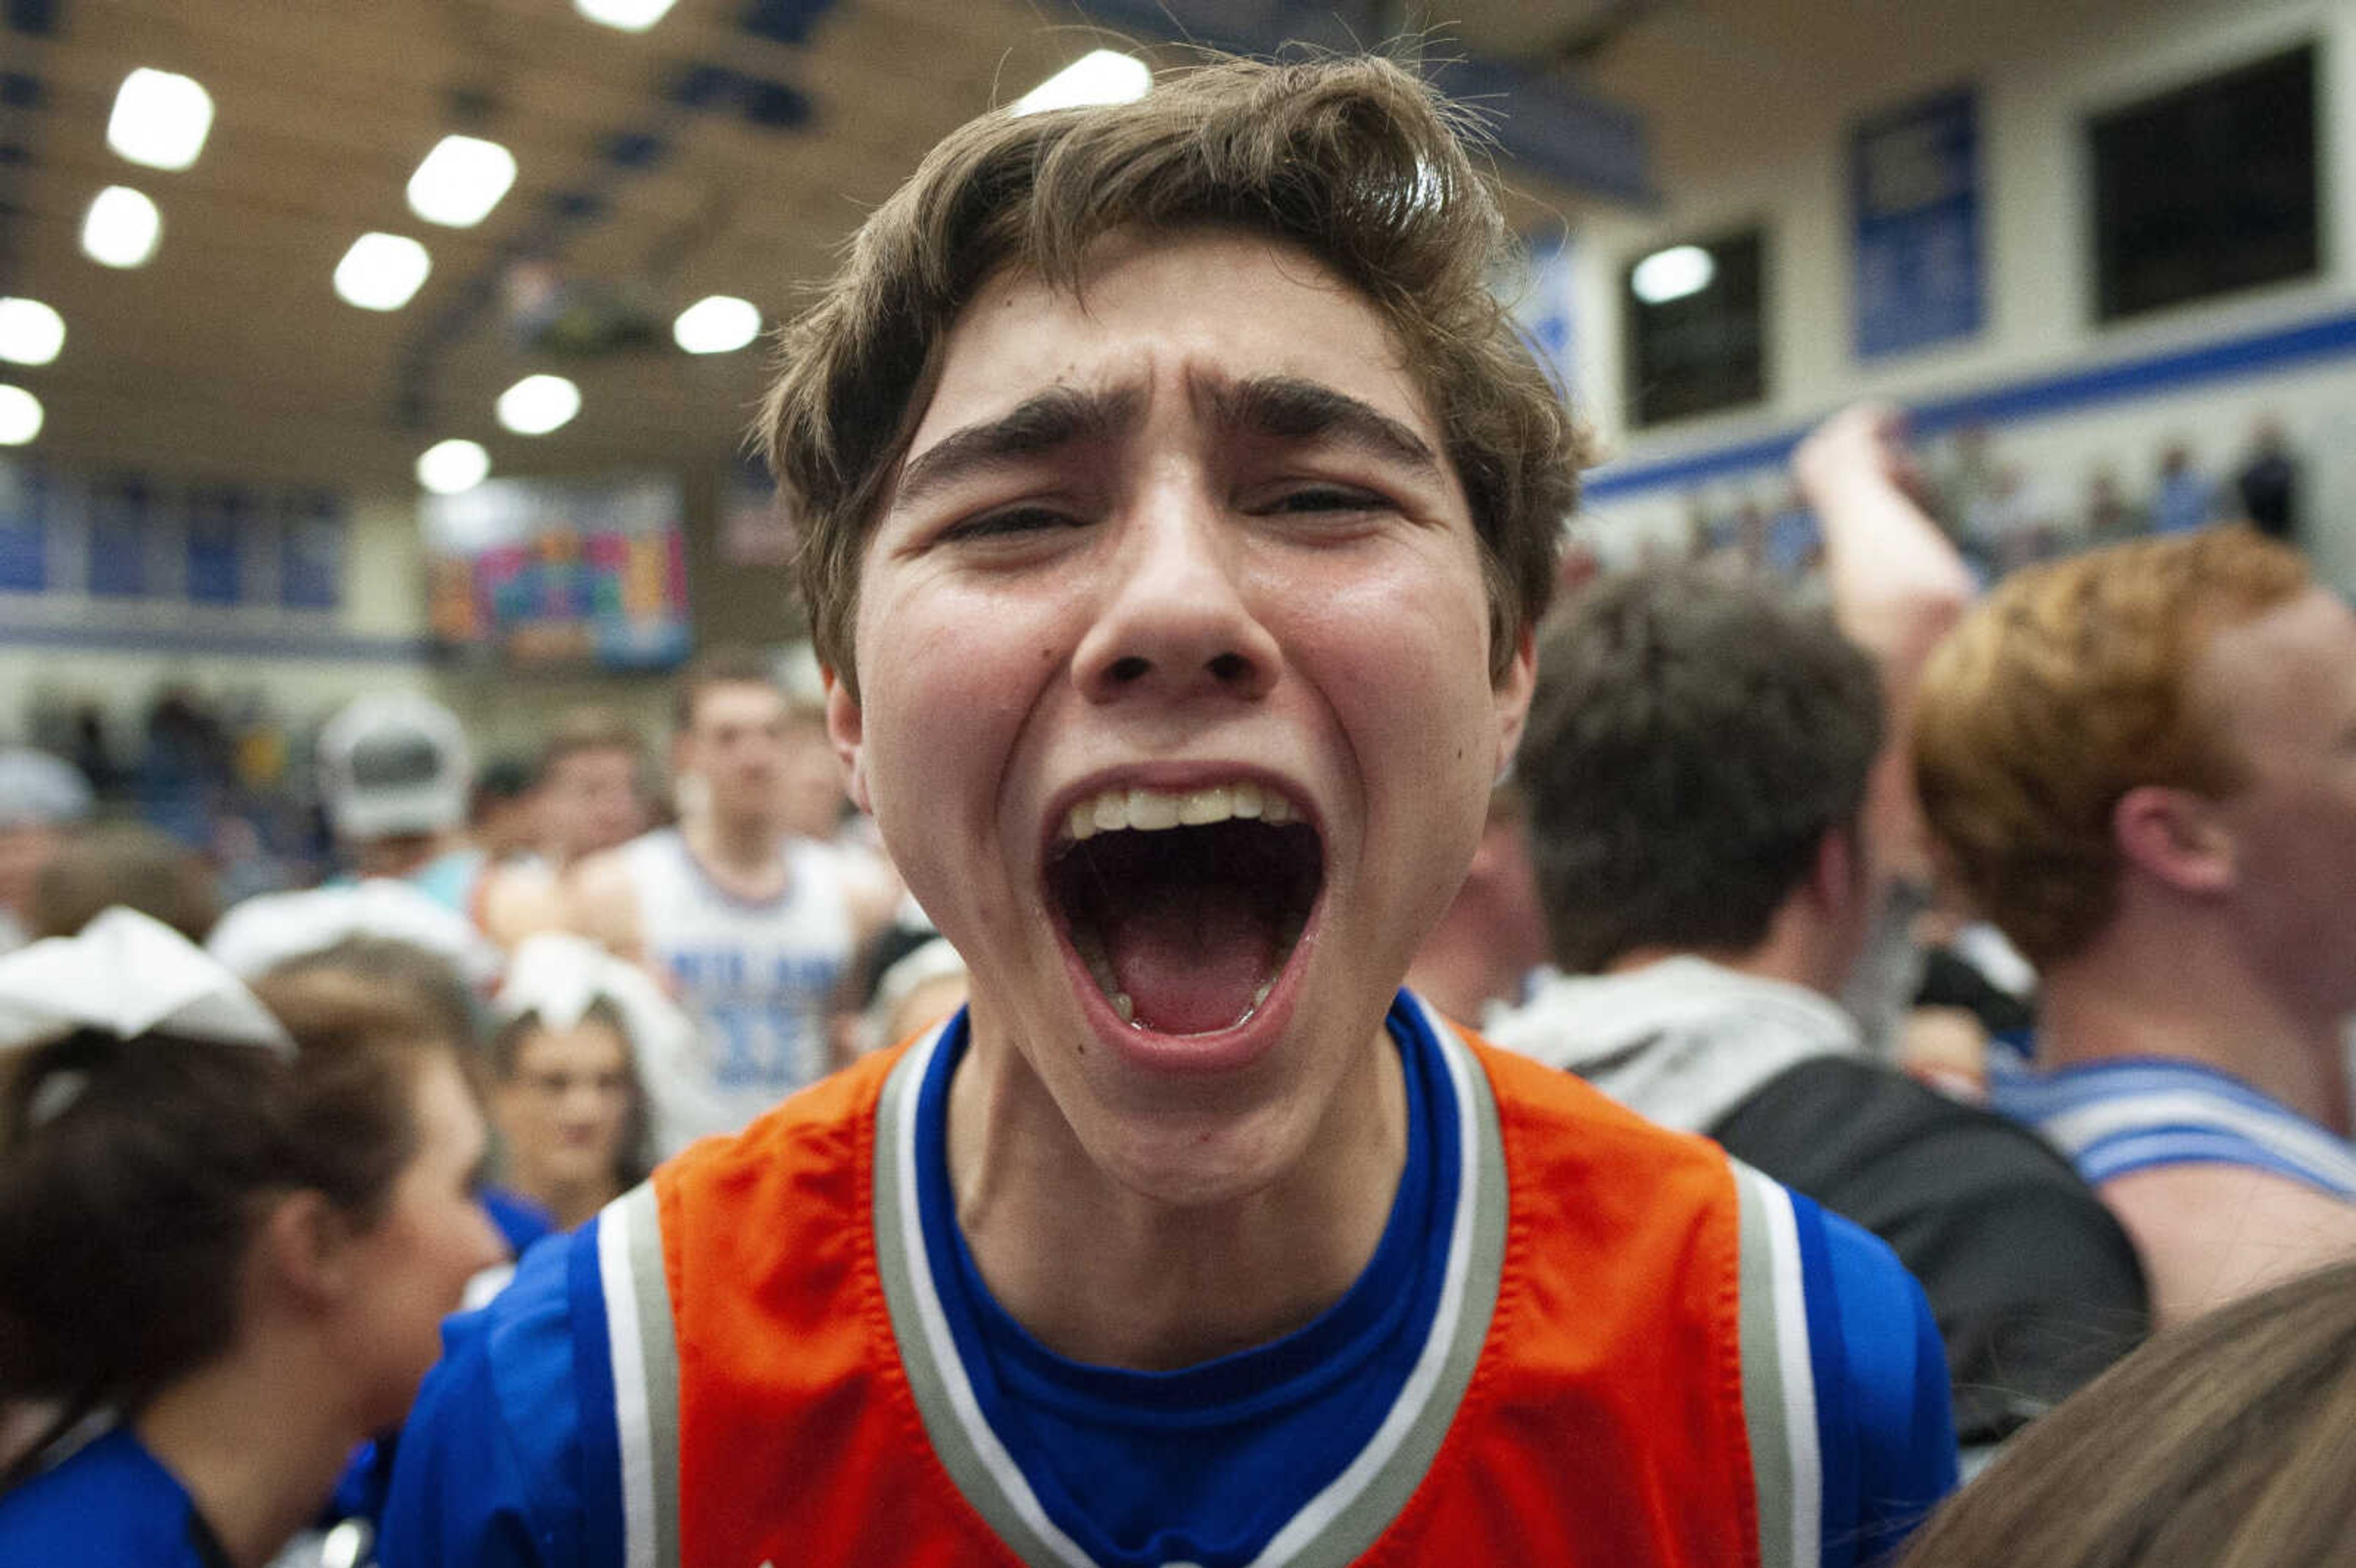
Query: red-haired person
{"x": 2142, "y": 764}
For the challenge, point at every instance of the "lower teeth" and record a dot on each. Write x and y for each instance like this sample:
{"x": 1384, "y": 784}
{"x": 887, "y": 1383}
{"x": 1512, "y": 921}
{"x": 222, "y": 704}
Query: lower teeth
{"x": 1127, "y": 1009}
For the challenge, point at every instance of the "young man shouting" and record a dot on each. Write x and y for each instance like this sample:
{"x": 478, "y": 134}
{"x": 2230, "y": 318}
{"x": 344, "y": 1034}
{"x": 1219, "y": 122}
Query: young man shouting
{"x": 1179, "y": 504}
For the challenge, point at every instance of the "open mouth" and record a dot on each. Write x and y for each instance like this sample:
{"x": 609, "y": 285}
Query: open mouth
{"x": 1185, "y": 905}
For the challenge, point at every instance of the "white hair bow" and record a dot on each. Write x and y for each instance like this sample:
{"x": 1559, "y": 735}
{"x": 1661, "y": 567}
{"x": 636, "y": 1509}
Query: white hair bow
{"x": 560, "y": 977}
{"x": 129, "y": 974}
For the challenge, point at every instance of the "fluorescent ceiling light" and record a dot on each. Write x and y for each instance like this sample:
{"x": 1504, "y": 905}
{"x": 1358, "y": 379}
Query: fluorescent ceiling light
{"x": 449, "y": 466}
{"x": 159, "y": 119}
{"x": 1106, "y": 76}
{"x": 120, "y": 227}
{"x": 382, "y": 272}
{"x": 716, "y": 326}
{"x": 630, "y": 16}
{"x": 1671, "y": 274}
{"x": 538, "y": 404}
{"x": 460, "y": 181}
{"x": 20, "y": 415}
{"x": 30, "y": 332}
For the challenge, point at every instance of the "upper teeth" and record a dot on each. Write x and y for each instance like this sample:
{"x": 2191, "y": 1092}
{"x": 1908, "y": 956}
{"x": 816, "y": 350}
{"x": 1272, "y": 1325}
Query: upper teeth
{"x": 1150, "y": 810}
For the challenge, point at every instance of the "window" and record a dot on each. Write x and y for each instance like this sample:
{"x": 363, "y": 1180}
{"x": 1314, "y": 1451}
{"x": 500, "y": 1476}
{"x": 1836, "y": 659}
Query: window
{"x": 2207, "y": 189}
{"x": 1697, "y": 328}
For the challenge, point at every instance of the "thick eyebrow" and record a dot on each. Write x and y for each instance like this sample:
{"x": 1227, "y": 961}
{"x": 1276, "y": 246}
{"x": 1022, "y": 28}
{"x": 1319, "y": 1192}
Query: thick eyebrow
{"x": 1290, "y": 408}
{"x": 1048, "y": 420}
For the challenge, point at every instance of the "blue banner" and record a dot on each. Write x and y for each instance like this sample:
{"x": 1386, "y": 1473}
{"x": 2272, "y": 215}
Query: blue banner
{"x": 122, "y": 514}
{"x": 1914, "y": 187}
{"x": 24, "y": 530}
{"x": 311, "y": 552}
{"x": 217, "y": 525}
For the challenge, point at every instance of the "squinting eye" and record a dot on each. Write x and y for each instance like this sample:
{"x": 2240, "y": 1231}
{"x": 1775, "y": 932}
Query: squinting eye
{"x": 1015, "y": 521}
{"x": 1327, "y": 500}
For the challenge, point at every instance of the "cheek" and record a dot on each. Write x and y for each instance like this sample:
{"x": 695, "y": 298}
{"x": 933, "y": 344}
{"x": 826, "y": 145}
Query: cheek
{"x": 951, "y": 677}
{"x": 1408, "y": 657}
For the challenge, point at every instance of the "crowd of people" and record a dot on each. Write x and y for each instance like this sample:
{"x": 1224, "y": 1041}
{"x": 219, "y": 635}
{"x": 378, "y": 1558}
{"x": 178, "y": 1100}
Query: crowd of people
{"x": 1853, "y": 1051}
{"x": 2002, "y": 514}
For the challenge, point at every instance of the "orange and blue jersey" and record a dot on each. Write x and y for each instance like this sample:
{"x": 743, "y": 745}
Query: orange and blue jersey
{"x": 1581, "y": 1340}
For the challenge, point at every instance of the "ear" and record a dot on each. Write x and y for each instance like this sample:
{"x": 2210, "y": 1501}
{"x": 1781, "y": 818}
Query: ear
{"x": 1830, "y": 885}
{"x": 1512, "y": 698}
{"x": 2176, "y": 837}
{"x": 846, "y": 727}
{"x": 304, "y": 1249}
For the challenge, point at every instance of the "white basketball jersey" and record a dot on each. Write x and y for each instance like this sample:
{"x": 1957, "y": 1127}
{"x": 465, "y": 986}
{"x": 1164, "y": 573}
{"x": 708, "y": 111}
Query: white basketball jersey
{"x": 759, "y": 976}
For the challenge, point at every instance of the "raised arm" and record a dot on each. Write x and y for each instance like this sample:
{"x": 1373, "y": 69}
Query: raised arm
{"x": 1898, "y": 586}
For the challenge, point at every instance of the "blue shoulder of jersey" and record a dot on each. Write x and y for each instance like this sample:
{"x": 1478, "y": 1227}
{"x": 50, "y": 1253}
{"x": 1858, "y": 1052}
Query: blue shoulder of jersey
{"x": 1885, "y": 1427}
{"x": 495, "y": 1469}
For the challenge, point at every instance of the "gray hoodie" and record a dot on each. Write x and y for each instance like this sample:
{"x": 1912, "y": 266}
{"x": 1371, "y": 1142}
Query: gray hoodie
{"x": 1682, "y": 1041}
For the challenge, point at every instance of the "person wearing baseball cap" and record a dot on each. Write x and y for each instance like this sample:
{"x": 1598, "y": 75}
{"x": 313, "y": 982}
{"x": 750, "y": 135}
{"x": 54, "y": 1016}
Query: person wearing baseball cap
{"x": 396, "y": 777}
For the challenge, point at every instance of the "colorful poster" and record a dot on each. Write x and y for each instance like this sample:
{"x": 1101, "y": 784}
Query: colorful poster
{"x": 1914, "y": 186}
{"x": 549, "y": 573}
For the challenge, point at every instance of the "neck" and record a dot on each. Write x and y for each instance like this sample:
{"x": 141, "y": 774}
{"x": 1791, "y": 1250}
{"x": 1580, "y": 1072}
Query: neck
{"x": 398, "y": 857}
{"x": 1769, "y": 961}
{"x": 571, "y": 1200}
{"x": 745, "y": 847}
{"x": 1461, "y": 969}
{"x": 2192, "y": 1001}
{"x": 1100, "y": 1272}
{"x": 254, "y": 1445}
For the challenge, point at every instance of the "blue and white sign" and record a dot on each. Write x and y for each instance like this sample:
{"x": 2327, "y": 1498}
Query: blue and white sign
{"x": 123, "y": 517}
{"x": 217, "y": 528}
{"x": 311, "y": 552}
{"x": 1914, "y": 186}
{"x": 24, "y": 530}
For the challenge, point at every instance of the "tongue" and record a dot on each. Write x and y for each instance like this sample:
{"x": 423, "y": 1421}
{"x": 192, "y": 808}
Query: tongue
{"x": 1192, "y": 959}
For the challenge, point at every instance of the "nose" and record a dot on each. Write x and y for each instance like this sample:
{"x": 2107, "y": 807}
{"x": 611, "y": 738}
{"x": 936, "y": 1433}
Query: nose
{"x": 1177, "y": 617}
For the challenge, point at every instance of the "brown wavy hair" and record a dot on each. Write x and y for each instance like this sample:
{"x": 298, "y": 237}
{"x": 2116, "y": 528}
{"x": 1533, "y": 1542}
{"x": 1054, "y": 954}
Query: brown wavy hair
{"x": 1354, "y": 161}
{"x": 133, "y": 1172}
{"x": 2066, "y": 687}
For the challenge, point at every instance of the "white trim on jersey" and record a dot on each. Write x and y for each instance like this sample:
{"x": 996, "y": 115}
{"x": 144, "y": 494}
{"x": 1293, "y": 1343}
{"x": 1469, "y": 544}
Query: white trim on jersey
{"x": 626, "y": 1349}
{"x": 1779, "y": 1384}
{"x": 1007, "y": 1475}
{"x": 2154, "y": 1113}
{"x": 1415, "y": 1396}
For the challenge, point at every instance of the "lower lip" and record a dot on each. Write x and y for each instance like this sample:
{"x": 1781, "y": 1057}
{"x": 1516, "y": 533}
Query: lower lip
{"x": 1231, "y": 1049}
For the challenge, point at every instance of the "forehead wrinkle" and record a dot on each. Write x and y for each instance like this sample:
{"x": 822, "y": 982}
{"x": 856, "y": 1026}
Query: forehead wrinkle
{"x": 1046, "y": 421}
{"x": 1295, "y": 408}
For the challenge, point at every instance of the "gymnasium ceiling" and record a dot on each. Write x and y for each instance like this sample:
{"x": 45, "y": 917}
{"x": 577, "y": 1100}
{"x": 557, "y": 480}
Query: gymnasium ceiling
{"x": 727, "y": 150}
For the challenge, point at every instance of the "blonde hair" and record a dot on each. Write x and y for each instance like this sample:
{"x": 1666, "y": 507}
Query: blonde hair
{"x": 2069, "y": 685}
